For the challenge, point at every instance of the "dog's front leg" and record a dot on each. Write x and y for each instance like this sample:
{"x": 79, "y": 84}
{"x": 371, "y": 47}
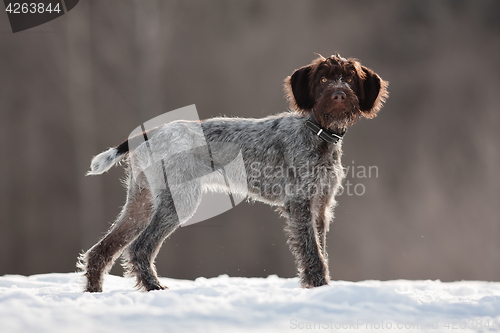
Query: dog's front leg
{"x": 304, "y": 243}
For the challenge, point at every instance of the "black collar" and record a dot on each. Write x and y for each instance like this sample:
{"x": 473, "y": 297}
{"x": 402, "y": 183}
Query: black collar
{"x": 324, "y": 134}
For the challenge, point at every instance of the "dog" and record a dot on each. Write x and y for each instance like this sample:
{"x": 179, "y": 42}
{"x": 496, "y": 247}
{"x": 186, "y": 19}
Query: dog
{"x": 326, "y": 97}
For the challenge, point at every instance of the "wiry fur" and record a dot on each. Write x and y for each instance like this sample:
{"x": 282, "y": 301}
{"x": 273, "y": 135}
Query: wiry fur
{"x": 104, "y": 161}
{"x": 286, "y": 165}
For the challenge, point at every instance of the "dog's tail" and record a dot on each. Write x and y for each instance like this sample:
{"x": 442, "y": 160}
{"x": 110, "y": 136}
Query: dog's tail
{"x": 105, "y": 160}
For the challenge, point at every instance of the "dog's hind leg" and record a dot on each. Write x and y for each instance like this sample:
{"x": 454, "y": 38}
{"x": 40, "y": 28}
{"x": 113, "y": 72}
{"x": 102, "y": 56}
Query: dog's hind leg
{"x": 134, "y": 217}
{"x": 140, "y": 256}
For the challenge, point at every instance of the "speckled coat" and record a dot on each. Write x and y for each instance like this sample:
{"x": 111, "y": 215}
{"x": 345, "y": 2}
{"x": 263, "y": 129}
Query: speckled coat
{"x": 285, "y": 165}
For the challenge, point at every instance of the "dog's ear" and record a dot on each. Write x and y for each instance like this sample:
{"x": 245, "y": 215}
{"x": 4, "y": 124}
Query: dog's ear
{"x": 374, "y": 92}
{"x": 298, "y": 90}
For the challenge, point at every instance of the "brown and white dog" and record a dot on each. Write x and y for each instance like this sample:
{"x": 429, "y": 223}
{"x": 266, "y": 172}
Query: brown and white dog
{"x": 326, "y": 97}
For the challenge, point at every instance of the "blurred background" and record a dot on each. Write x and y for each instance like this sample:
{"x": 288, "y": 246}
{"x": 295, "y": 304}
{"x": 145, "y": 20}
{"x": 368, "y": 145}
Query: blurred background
{"x": 77, "y": 85}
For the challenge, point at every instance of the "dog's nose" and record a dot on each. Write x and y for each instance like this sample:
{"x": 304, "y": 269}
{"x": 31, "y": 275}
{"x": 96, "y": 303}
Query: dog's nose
{"x": 338, "y": 96}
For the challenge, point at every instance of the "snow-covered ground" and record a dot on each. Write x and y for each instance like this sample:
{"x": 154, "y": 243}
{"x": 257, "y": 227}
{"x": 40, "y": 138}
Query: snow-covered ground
{"x": 54, "y": 303}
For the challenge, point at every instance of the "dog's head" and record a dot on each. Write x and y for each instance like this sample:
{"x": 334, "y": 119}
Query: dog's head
{"x": 339, "y": 90}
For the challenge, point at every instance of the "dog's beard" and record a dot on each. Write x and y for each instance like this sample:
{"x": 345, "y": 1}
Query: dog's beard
{"x": 331, "y": 116}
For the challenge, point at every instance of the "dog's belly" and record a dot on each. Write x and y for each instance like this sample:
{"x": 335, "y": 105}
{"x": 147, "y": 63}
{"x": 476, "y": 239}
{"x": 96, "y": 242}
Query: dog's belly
{"x": 270, "y": 190}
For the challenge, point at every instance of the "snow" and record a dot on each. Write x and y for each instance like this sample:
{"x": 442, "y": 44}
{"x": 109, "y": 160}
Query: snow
{"x": 55, "y": 303}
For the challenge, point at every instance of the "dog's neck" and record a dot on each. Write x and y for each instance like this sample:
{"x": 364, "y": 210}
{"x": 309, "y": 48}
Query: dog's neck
{"x": 329, "y": 135}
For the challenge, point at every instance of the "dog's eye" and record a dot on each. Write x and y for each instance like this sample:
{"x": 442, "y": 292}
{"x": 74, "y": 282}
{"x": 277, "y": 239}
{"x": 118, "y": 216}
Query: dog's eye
{"x": 348, "y": 80}
{"x": 324, "y": 79}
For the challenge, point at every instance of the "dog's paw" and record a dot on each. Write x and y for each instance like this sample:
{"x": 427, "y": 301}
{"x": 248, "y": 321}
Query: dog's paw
{"x": 93, "y": 289}
{"x": 313, "y": 280}
{"x": 155, "y": 286}
{"x": 313, "y": 284}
